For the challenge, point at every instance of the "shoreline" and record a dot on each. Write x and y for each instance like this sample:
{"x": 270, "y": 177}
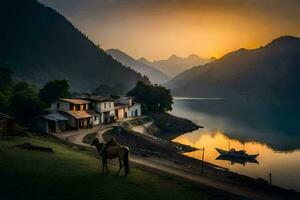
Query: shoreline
{"x": 189, "y": 164}
{"x": 149, "y": 151}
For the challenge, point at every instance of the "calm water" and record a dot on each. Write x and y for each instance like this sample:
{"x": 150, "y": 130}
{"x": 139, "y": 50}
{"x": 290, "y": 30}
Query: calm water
{"x": 270, "y": 129}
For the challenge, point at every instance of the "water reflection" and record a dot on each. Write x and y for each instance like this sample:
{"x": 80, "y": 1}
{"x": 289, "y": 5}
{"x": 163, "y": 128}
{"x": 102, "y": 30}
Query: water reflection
{"x": 270, "y": 129}
{"x": 237, "y": 160}
{"x": 277, "y": 125}
{"x": 283, "y": 166}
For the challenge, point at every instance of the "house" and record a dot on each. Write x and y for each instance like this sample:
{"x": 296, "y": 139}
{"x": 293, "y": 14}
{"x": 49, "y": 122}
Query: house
{"x": 7, "y": 124}
{"x": 104, "y": 106}
{"x": 95, "y": 116}
{"x": 50, "y": 123}
{"x": 76, "y": 110}
{"x": 125, "y": 107}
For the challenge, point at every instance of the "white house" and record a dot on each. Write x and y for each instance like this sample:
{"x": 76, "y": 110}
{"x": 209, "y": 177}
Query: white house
{"x": 126, "y": 107}
{"x": 76, "y": 112}
{"x": 105, "y": 107}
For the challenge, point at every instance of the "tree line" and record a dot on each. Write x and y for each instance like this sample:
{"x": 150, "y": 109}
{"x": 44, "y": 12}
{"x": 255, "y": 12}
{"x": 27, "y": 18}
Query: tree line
{"x": 23, "y": 100}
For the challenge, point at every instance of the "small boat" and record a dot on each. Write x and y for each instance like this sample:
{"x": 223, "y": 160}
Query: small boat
{"x": 241, "y": 154}
{"x": 234, "y": 160}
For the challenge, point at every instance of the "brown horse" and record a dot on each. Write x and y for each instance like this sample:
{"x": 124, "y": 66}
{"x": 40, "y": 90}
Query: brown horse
{"x": 111, "y": 150}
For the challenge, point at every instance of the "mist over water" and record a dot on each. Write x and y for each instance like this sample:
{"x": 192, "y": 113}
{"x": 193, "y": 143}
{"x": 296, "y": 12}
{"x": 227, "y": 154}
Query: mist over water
{"x": 267, "y": 128}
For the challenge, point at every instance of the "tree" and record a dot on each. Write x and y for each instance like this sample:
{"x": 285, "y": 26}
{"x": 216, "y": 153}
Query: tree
{"x": 154, "y": 98}
{"x": 25, "y": 102}
{"x": 5, "y": 88}
{"x": 5, "y": 80}
{"x": 107, "y": 90}
{"x": 54, "y": 90}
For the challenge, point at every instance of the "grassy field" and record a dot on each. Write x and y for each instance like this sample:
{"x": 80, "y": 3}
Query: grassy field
{"x": 74, "y": 173}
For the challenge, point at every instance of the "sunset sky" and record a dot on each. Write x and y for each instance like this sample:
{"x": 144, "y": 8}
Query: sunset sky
{"x": 156, "y": 29}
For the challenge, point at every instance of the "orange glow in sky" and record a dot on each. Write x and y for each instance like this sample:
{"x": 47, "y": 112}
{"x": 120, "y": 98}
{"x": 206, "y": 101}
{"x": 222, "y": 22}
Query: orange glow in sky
{"x": 157, "y": 29}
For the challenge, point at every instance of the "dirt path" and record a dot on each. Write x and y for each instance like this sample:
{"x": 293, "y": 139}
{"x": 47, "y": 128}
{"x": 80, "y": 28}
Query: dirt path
{"x": 76, "y": 137}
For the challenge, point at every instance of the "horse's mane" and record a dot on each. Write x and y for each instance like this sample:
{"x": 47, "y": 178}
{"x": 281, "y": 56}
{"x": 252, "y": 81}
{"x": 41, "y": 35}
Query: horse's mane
{"x": 111, "y": 142}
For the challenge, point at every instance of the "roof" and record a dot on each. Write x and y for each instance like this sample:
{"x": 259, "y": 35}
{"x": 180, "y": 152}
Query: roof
{"x": 92, "y": 112}
{"x": 100, "y": 98}
{"x": 121, "y": 106}
{"x": 76, "y": 101}
{"x": 55, "y": 117}
{"x": 78, "y": 114}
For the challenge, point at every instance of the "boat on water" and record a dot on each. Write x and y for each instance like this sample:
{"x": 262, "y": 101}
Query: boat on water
{"x": 234, "y": 160}
{"x": 241, "y": 154}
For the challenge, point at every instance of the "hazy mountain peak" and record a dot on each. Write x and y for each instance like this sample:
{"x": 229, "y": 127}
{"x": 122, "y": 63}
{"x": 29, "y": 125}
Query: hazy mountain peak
{"x": 173, "y": 57}
{"x": 145, "y": 61}
{"x": 110, "y": 51}
{"x": 142, "y": 66}
{"x": 193, "y": 56}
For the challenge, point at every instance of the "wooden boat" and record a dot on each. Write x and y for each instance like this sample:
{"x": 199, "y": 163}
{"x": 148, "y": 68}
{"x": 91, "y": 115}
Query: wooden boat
{"x": 234, "y": 160}
{"x": 241, "y": 154}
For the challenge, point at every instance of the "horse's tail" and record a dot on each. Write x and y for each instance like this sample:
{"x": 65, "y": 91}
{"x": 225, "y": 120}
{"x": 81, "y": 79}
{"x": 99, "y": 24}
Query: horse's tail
{"x": 126, "y": 161}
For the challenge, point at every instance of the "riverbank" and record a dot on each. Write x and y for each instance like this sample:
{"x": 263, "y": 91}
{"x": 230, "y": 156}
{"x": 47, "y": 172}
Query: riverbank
{"x": 149, "y": 148}
{"x": 164, "y": 125}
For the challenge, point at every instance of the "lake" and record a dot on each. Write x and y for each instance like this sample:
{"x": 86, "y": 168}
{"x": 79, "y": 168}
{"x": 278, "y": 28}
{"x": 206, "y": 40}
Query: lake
{"x": 265, "y": 127}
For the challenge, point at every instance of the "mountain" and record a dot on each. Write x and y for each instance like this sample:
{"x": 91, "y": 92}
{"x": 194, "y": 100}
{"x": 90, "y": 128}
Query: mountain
{"x": 145, "y": 61}
{"x": 154, "y": 74}
{"x": 40, "y": 45}
{"x": 272, "y": 71}
{"x": 174, "y": 65}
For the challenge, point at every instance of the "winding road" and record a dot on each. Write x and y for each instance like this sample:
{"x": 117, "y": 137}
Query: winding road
{"x": 162, "y": 166}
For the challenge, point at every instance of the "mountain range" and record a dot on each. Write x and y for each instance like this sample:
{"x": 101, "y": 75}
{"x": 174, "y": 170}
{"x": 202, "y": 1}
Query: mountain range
{"x": 155, "y": 76}
{"x": 175, "y": 65}
{"x": 38, "y": 44}
{"x": 272, "y": 71}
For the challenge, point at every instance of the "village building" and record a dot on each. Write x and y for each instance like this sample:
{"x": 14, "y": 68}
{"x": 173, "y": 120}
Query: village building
{"x": 76, "y": 110}
{"x": 103, "y": 107}
{"x": 7, "y": 124}
{"x": 125, "y": 107}
{"x": 85, "y": 112}
{"x": 50, "y": 123}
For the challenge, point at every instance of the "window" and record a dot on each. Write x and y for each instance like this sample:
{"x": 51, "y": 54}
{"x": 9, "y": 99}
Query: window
{"x": 84, "y": 106}
{"x": 71, "y": 106}
{"x": 57, "y": 105}
{"x": 95, "y": 118}
{"x": 104, "y": 105}
{"x": 77, "y": 107}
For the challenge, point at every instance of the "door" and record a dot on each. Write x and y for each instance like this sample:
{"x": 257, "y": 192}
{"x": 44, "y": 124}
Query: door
{"x": 52, "y": 126}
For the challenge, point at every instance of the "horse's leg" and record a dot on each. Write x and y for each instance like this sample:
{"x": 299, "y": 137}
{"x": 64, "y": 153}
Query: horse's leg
{"x": 106, "y": 167}
{"x": 103, "y": 165}
{"x": 120, "y": 166}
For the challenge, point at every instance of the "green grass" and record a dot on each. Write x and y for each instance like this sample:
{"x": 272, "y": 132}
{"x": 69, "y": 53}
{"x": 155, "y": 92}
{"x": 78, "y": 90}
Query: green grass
{"x": 74, "y": 173}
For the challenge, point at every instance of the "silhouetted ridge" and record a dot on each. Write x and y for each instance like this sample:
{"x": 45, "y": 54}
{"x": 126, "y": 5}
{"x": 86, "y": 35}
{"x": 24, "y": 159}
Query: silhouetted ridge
{"x": 285, "y": 41}
{"x": 272, "y": 71}
{"x": 40, "y": 45}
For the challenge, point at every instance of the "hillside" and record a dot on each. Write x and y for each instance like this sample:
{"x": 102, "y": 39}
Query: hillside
{"x": 73, "y": 172}
{"x": 39, "y": 45}
{"x": 152, "y": 73}
{"x": 272, "y": 71}
{"x": 174, "y": 65}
